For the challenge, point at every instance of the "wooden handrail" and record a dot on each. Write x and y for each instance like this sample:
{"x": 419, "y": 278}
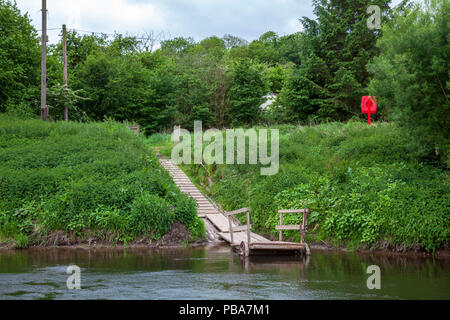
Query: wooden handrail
{"x": 232, "y": 213}
{"x": 239, "y": 228}
{"x": 289, "y": 227}
{"x": 294, "y": 211}
{"x": 301, "y": 227}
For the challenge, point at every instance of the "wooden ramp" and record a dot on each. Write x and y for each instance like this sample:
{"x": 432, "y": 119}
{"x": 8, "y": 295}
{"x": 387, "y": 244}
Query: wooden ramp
{"x": 222, "y": 226}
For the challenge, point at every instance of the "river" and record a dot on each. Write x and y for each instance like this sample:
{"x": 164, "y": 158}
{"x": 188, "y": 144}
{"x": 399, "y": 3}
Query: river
{"x": 217, "y": 273}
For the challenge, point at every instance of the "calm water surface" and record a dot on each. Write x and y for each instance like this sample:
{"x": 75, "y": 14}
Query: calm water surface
{"x": 216, "y": 273}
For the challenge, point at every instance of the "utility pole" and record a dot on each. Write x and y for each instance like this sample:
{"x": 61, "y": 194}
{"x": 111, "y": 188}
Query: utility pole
{"x": 44, "y": 109}
{"x": 64, "y": 46}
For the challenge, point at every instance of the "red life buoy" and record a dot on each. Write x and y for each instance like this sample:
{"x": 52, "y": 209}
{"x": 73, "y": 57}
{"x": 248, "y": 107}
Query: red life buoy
{"x": 368, "y": 106}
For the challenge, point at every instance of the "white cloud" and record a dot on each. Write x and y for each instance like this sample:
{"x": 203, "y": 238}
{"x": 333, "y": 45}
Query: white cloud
{"x": 197, "y": 18}
{"x": 96, "y": 15}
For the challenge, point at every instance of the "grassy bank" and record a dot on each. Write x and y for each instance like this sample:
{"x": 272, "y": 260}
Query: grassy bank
{"x": 367, "y": 186}
{"x": 89, "y": 181}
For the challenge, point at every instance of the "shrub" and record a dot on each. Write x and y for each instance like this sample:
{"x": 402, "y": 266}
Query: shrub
{"x": 365, "y": 185}
{"x": 21, "y": 241}
{"x": 149, "y": 214}
{"x": 185, "y": 212}
{"x": 410, "y": 76}
{"x": 72, "y": 177}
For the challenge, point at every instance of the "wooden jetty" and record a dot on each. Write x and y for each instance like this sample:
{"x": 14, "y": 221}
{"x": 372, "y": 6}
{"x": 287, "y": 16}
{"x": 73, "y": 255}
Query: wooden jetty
{"x": 223, "y": 225}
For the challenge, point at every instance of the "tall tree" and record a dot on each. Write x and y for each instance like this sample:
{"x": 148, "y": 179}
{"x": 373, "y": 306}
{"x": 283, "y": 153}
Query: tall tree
{"x": 411, "y": 75}
{"x": 19, "y": 58}
{"x": 246, "y": 92}
{"x": 336, "y": 49}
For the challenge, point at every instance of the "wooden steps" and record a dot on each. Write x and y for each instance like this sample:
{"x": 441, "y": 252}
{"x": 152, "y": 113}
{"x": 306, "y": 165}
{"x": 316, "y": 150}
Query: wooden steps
{"x": 218, "y": 223}
{"x": 205, "y": 209}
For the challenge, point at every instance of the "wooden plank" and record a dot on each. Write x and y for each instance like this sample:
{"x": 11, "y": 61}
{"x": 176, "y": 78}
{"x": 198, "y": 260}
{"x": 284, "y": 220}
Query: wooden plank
{"x": 239, "y": 237}
{"x": 197, "y": 197}
{"x": 206, "y": 208}
{"x": 232, "y": 213}
{"x": 289, "y": 227}
{"x": 219, "y": 221}
{"x": 208, "y": 212}
{"x": 268, "y": 246}
{"x": 294, "y": 211}
{"x": 259, "y": 238}
{"x": 276, "y": 246}
{"x": 255, "y": 237}
{"x": 240, "y": 228}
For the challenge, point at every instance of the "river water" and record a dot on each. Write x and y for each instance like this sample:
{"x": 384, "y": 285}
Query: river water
{"x": 217, "y": 273}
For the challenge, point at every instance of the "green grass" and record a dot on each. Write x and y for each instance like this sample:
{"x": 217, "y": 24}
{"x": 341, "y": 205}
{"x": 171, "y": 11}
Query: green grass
{"x": 96, "y": 178}
{"x": 161, "y": 142}
{"x": 365, "y": 185}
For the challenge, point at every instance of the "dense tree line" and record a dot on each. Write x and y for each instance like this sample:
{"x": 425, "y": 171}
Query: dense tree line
{"x": 318, "y": 74}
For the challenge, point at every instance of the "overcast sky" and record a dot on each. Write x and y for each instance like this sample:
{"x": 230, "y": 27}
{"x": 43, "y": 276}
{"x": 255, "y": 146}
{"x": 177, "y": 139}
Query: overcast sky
{"x": 196, "y": 18}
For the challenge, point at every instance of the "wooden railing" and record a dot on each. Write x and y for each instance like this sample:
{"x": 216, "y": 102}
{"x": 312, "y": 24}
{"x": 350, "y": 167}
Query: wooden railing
{"x": 247, "y": 227}
{"x": 246, "y": 248}
{"x": 300, "y": 227}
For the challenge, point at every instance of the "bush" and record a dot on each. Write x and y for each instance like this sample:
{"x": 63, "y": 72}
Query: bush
{"x": 186, "y": 213}
{"x": 149, "y": 213}
{"x": 73, "y": 177}
{"x": 410, "y": 77}
{"x": 21, "y": 241}
{"x": 365, "y": 186}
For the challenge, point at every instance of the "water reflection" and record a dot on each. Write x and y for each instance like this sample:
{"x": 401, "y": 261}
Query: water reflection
{"x": 216, "y": 273}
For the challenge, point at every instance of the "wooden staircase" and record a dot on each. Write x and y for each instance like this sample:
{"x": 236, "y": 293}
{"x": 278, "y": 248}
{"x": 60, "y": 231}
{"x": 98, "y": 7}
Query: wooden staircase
{"x": 220, "y": 225}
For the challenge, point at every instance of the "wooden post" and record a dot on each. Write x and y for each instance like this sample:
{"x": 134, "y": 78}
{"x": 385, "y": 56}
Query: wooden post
{"x": 64, "y": 47}
{"x": 303, "y": 227}
{"x": 231, "y": 230}
{"x": 44, "y": 109}
{"x": 248, "y": 229}
{"x": 281, "y": 223}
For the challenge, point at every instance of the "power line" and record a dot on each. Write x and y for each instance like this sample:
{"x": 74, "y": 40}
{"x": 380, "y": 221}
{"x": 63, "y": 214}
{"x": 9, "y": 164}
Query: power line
{"x": 96, "y": 32}
{"x": 106, "y": 34}
{"x": 93, "y": 32}
{"x": 49, "y": 29}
